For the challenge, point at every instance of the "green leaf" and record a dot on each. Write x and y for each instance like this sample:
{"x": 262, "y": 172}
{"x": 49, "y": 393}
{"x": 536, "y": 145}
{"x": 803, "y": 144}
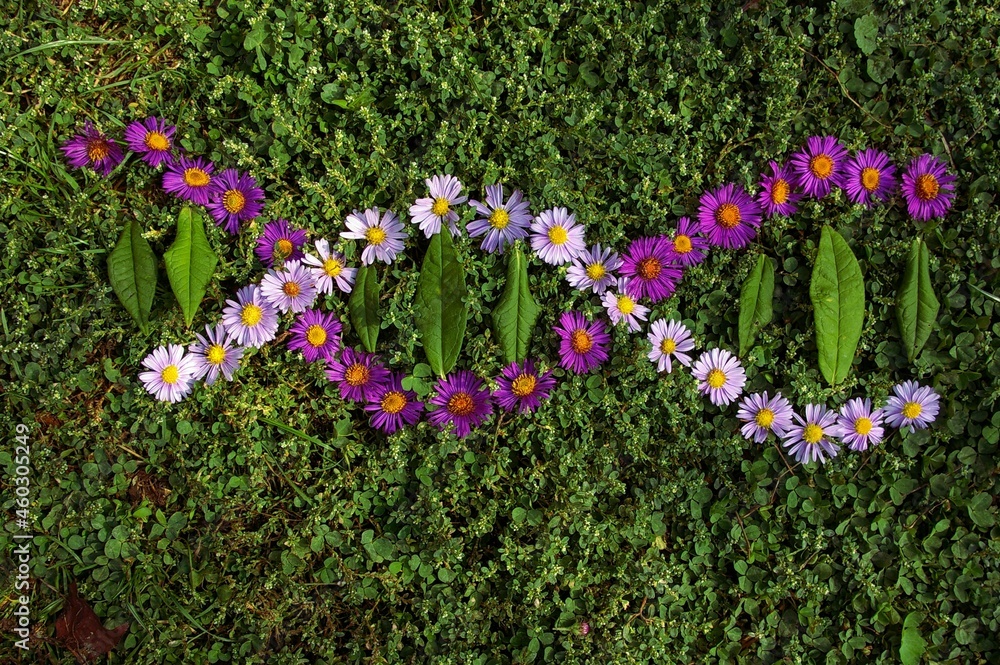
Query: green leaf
{"x": 190, "y": 262}
{"x": 516, "y": 312}
{"x": 255, "y": 37}
{"x": 837, "y": 292}
{"x": 756, "y": 297}
{"x": 132, "y": 272}
{"x": 866, "y": 33}
{"x": 363, "y": 307}
{"x": 912, "y": 646}
{"x": 441, "y": 311}
{"x": 916, "y": 305}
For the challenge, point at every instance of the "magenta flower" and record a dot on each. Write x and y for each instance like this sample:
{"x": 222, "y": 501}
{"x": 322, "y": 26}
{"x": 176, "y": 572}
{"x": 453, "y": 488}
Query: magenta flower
{"x": 728, "y": 216}
{"x": 391, "y": 407}
{"x": 152, "y": 139}
{"x": 234, "y": 198}
{"x": 650, "y": 263}
{"x": 316, "y": 334}
{"x": 778, "y": 195}
{"x": 188, "y": 178}
{"x": 94, "y": 149}
{"x": 583, "y": 345}
{"x": 279, "y": 242}
{"x": 869, "y": 177}
{"x": 928, "y": 188}
{"x": 357, "y": 374}
{"x": 819, "y": 166}
{"x": 522, "y": 387}
{"x": 689, "y": 247}
{"x": 463, "y": 400}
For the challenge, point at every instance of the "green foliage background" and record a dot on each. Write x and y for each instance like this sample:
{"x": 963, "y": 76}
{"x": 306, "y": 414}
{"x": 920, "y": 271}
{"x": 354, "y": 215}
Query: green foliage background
{"x": 628, "y": 501}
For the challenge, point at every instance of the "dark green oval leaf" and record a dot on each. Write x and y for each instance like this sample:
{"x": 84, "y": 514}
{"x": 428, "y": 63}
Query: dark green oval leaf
{"x": 363, "y": 307}
{"x": 912, "y": 645}
{"x": 756, "y": 298}
{"x": 837, "y": 292}
{"x": 916, "y": 305}
{"x": 190, "y": 262}
{"x": 132, "y": 272}
{"x": 516, "y": 312}
{"x": 441, "y": 312}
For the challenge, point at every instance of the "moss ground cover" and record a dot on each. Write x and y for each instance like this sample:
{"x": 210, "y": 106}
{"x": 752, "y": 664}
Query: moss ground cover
{"x": 263, "y": 521}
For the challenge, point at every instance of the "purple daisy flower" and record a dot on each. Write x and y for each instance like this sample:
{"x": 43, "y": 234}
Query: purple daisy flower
{"x": 860, "y": 427}
{"x": 357, "y": 374}
{"x": 189, "y": 179}
{"x": 291, "y": 289}
{"x": 503, "y": 223}
{"x": 811, "y": 440}
{"x": 720, "y": 376}
{"x": 729, "y": 216}
{"x": 928, "y": 188}
{"x": 622, "y": 308}
{"x": 556, "y": 237}
{"x": 152, "y": 139}
{"x": 762, "y": 415}
{"x": 650, "y": 263}
{"x": 463, "y": 400}
{"x": 819, "y": 166}
{"x": 689, "y": 248}
{"x": 171, "y": 373}
{"x": 385, "y": 236}
{"x": 279, "y": 242}
{"x": 215, "y": 353}
{"x": 778, "y": 195}
{"x": 522, "y": 387}
{"x": 93, "y": 148}
{"x": 669, "y": 338}
{"x": 428, "y": 213}
{"x": 583, "y": 345}
{"x": 594, "y": 269}
{"x": 913, "y": 406}
{"x": 391, "y": 406}
{"x": 869, "y": 177}
{"x": 316, "y": 334}
{"x": 234, "y": 198}
{"x": 330, "y": 267}
{"x": 250, "y": 319}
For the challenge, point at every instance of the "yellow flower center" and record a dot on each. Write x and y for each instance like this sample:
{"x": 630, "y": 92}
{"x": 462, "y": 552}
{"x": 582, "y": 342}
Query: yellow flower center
{"x": 283, "y": 248}
{"x": 356, "y": 375}
{"x": 251, "y": 315}
{"x": 558, "y": 235}
{"x": 812, "y": 433}
{"x": 216, "y": 354}
{"x": 393, "y": 402}
{"x": 821, "y": 166}
{"x": 195, "y": 177}
{"x": 870, "y": 178}
{"x": 461, "y": 404}
{"x": 862, "y": 426}
{"x": 716, "y": 378}
{"x": 316, "y": 335}
{"x": 595, "y": 271}
{"x": 156, "y": 141}
{"x": 912, "y": 409}
{"x": 682, "y": 244}
{"x": 97, "y": 149}
{"x": 523, "y": 385}
{"x": 440, "y": 207}
{"x": 291, "y": 289}
{"x": 764, "y": 417}
{"x": 499, "y": 219}
{"x": 649, "y": 268}
{"x": 728, "y": 215}
{"x": 170, "y": 374}
{"x": 927, "y": 187}
{"x": 375, "y": 235}
{"x": 233, "y": 201}
{"x": 668, "y": 345}
{"x": 580, "y": 341}
{"x": 625, "y": 305}
{"x": 779, "y": 191}
{"x": 332, "y": 267}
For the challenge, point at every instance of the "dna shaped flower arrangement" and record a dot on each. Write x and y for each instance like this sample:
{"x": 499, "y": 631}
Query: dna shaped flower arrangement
{"x": 648, "y": 271}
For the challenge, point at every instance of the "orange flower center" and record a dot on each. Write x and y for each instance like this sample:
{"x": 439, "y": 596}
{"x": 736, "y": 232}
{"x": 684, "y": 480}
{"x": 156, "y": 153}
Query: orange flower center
{"x": 927, "y": 187}
{"x": 682, "y": 244}
{"x": 357, "y": 375}
{"x": 156, "y": 141}
{"x": 461, "y": 404}
{"x": 233, "y": 201}
{"x": 283, "y": 248}
{"x": 821, "y": 166}
{"x": 580, "y": 341}
{"x": 393, "y": 402}
{"x": 523, "y": 385}
{"x": 728, "y": 215}
{"x": 779, "y": 191}
{"x": 97, "y": 149}
{"x": 291, "y": 289}
{"x": 649, "y": 268}
{"x": 195, "y": 177}
{"x": 870, "y": 178}
{"x": 316, "y": 335}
